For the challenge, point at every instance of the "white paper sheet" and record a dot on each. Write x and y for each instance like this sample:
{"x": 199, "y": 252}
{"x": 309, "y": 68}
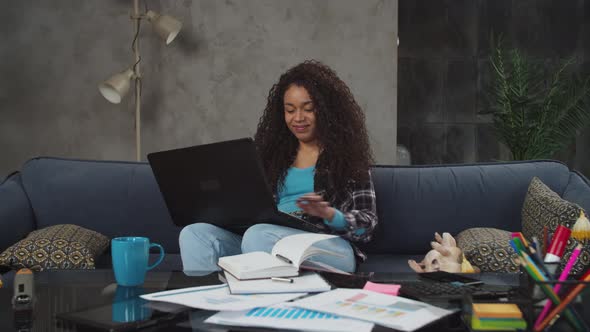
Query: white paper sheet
{"x": 391, "y": 311}
{"x": 306, "y": 283}
{"x": 289, "y": 318}
{"x": 218, "y": 298}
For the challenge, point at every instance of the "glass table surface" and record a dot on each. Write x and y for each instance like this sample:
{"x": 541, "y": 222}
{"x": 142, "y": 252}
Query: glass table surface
{"x": 66, "y": 291}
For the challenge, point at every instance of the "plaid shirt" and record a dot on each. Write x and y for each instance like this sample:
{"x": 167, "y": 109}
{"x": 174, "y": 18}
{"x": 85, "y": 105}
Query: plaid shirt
{"x": 360, "y": 213}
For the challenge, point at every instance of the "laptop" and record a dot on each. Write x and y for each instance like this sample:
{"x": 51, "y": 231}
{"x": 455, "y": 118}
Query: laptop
{"x": 220, "y": 183}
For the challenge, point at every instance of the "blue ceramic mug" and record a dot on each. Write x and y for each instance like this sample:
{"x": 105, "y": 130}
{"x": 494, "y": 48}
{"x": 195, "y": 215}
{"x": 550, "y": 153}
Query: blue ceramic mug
{"x": 130, "y": 259}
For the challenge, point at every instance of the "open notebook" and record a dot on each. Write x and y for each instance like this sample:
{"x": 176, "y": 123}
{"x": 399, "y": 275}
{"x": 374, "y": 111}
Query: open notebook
{"x": 286, "y": 258}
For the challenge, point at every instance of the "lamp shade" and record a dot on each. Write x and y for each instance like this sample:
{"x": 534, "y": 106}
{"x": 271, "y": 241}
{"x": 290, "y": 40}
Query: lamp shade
{"x": 116, "y": 87}
{"x": 165, "y": 26}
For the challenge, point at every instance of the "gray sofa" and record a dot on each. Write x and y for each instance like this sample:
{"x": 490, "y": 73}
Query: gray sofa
{"x": 122, "y": 198}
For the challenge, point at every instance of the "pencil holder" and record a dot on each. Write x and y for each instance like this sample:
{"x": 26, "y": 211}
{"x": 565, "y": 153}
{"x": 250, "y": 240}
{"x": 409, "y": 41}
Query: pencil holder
{"x": 537, "y": 292}
{"x": 573, "y": 317}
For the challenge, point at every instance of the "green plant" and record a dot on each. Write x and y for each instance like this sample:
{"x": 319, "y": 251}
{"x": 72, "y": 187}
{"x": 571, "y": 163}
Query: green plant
{"x": 536, "y": 114}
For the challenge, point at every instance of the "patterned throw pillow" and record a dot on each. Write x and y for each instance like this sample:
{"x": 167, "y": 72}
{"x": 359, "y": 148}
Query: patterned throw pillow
{"x": 542, "y": 206}
{"x": 488, "y": 249}
{"x": 56, "y": 247}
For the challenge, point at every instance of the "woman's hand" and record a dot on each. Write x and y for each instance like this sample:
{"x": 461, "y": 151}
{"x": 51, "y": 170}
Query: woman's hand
{"x": 314, "y": 205}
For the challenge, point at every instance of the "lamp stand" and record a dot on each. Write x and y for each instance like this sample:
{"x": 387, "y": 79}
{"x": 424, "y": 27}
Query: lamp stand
{"x": 137, "y": 17}
{"x": 117, "y": 86}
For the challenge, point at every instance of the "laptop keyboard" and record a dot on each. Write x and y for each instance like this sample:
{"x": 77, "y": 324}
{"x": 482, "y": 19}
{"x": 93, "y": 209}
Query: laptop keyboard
{"x": 429, "y": 289}
{"x": 305, "y": 225}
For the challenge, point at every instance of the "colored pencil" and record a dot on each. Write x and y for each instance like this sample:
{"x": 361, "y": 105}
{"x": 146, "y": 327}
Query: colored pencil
{"x": 545, "y": 240}
{"x": 538, "y": 248}
{"x": 564, "y": 304}
{"x": 534, "y": 257}
{"x": 534, "y": 272}
{"x": 562, "y": 277}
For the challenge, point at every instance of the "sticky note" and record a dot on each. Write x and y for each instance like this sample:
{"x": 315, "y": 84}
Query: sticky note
{"x": 497, "y": 310}
{"x": 389, "y": 289}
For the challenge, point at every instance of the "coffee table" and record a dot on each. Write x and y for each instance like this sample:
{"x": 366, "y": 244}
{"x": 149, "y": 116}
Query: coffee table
{"x": 71, "y": 290}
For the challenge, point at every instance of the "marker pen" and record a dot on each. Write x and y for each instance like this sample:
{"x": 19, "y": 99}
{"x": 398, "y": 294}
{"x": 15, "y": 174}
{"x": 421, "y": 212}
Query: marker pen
{"x": 558, "y": 244}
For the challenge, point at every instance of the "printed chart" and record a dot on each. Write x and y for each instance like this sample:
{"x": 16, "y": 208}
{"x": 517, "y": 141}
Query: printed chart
{"x": 284, "y": 317}
{"x": 288, "y": 313}
{"x": 391, "y": 311}
{"x": 370, "y": 311}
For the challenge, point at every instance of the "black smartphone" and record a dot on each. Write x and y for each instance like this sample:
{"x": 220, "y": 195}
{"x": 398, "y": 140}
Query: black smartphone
{"x": 442, "y": 276}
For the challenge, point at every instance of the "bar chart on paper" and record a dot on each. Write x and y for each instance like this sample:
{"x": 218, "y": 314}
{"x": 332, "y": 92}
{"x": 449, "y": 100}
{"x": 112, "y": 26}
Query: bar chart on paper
{"x": 390, "y": 311}
{"x": 288, "y": 313}
{"x": 289, "y": 318}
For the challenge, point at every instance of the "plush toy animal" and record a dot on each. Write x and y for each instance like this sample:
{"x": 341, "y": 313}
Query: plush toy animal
{"x": 444, "y": 256}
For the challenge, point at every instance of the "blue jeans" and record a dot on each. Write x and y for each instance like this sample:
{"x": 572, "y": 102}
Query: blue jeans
{"x": 202, "y": 244}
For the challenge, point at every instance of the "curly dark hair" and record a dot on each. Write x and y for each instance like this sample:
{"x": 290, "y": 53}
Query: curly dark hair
{"x": 342, "y": 136}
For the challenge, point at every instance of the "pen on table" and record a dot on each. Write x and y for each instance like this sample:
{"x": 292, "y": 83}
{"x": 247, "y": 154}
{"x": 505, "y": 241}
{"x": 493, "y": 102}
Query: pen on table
{"x": 287, "y": 280}
{"x": 562, "y": 277}
{"x": 563, "y": 305}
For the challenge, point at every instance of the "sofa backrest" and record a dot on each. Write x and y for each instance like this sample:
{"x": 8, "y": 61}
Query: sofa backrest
{"x": 16, "y": 214}
{"x": 122, "y": 198}
{"x": 113, "y": 198}
{"x": 415, "y": 201}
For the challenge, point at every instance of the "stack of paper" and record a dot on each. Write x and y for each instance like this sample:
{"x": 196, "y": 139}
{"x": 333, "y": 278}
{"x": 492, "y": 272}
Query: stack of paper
{"x": 256, "y": 265}
{"x": 306, "y": 283}
{"x": 337, "y": 310}
{"x": 497, "y": 316}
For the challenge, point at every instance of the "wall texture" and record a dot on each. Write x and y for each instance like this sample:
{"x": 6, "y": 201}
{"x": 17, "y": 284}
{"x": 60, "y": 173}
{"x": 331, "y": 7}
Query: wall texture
{"x": 444, "y": 68}
{"x": 208, "y": 85}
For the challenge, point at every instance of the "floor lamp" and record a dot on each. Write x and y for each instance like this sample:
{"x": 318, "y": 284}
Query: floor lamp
{"x": 117, "y": 86}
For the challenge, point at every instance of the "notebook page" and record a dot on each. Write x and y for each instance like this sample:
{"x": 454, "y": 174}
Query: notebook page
{"x": 256, "y": 260}
{"x": 294, "y": 247}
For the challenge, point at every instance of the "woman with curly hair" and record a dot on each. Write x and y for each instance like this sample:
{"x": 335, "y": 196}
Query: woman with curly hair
{"x": 315, "y": 149}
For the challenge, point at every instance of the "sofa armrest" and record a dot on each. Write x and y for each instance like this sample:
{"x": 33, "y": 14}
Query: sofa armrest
{"x": 16, "y": 215}
{"x": 578, "y": 191}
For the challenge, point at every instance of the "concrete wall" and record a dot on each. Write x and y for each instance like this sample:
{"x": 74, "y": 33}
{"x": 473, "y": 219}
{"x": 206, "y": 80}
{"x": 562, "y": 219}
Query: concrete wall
{"x": 208, "y": 85}
{"x": 444, "y": 71}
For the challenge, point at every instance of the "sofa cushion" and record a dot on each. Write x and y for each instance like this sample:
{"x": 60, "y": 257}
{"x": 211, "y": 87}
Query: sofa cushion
{"x": 488, "y": 249}
{"x": 113, "y": 198}
{"x": 56, "y": 247}
{"x": 543, "y": 207}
